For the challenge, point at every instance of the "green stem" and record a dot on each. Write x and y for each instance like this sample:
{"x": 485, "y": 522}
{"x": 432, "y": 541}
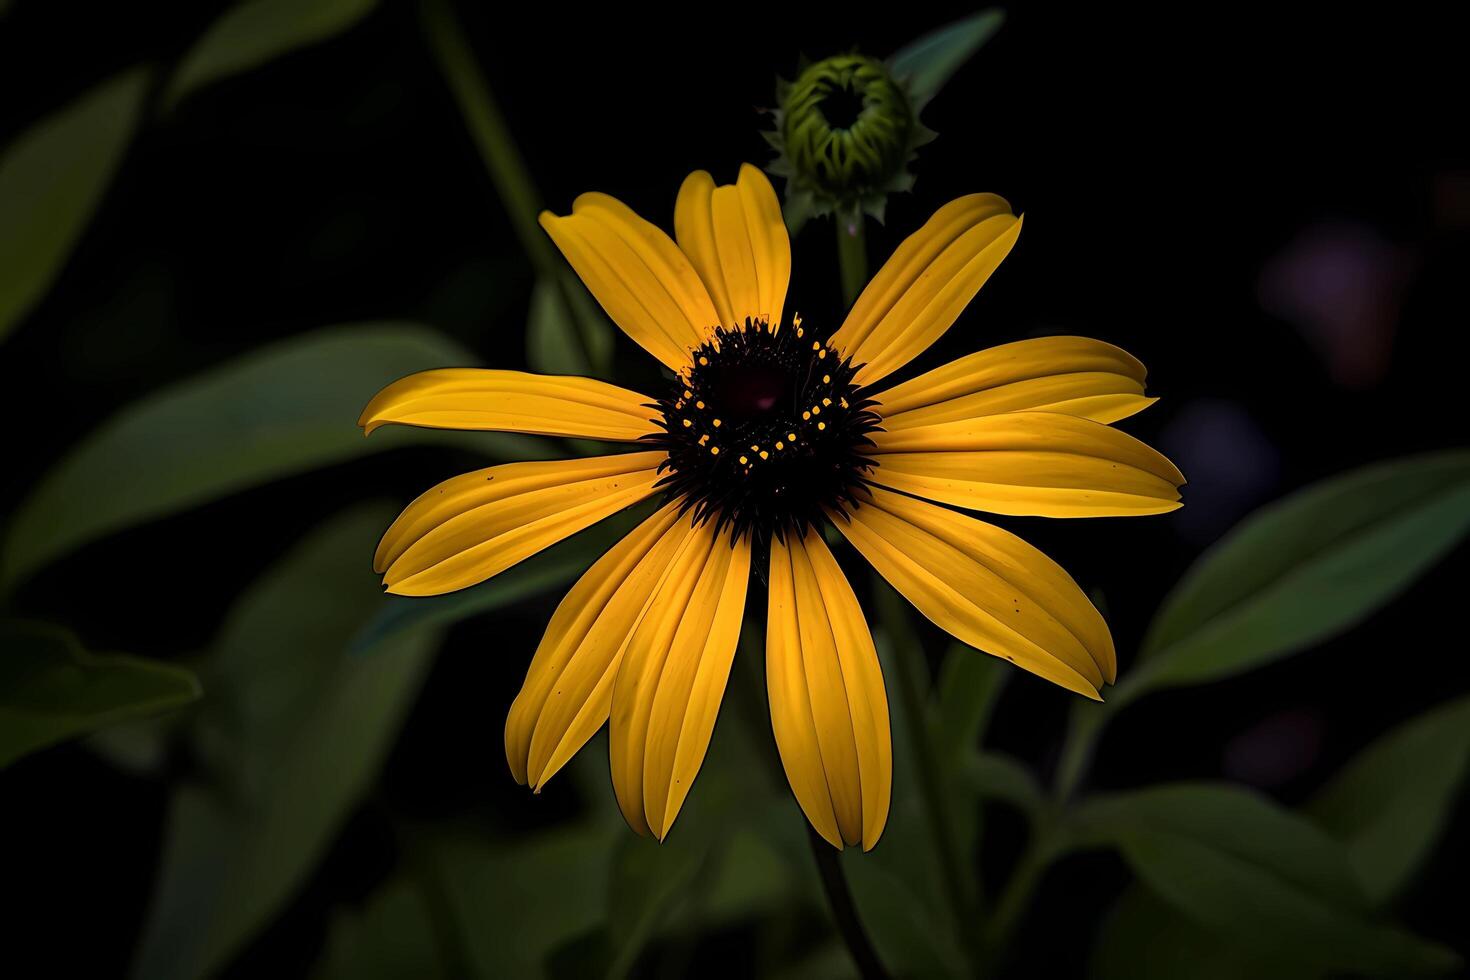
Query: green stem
{"x": 1084, "y": 725}
{"x": 1017, "y": 894}
{"x": 844, "y": 910}
{"x": 513, "y": 184}
{"x": 829, "y": 867}
{"x": 487, "y": 128}
{"x": 852, "y": 255}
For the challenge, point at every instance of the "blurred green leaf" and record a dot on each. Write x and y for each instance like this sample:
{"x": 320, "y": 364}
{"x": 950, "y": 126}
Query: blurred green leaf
{"x": 52, "y": 177}
{"x": 912, "y": 937}
{"x": 1390, "y": 804}
{"x": 647, "y": 879}
{"x": 1305, "y": 568}
{"x": 970, "y": 683}
{"x": 515, "y": 905}
{"x": 256, "y": 31}
{"x": 899, "y": 887}
{"x": 996, "y": 776}
{"x": 754, "y": 874}
{"x": 1263, "y": 877}
{"x": 1145, "y": 938}
{"x": 138, "y": 747}
{"x": 284, "y": 409}
{"x": 52, "y": 690}
{"x": 557, "y": 565}
{"x": 389, "y": 938}
{"x": 926, "y": 64}
{"x": 291, "y": 733}
{"x": 567, "y": 332}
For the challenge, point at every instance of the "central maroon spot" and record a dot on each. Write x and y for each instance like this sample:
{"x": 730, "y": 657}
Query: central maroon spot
{"x": 750, "y": 391}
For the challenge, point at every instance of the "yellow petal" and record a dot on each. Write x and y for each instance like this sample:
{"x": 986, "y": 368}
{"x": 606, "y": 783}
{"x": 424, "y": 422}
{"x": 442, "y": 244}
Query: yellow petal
{"x": 638, "y": 275}
{"x": 568, "y": 689}
{"x": 673, "y": 675}
{"x": 1028, "y": 464}
{"x": 986, "y": 587}
{"x": 829, "y": 710}
{"x": 478, "y": 524}
{"x": 1067, "y": 375}
{"x": 927, "y": 282}
{"x": 512, "y": 401}
{"x": 737, "y": 240}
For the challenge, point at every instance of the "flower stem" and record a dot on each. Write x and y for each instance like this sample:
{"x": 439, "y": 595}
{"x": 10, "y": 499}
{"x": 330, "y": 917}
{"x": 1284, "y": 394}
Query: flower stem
{"x": 1084, "y": 725}
{"x": 487, "y": 128}
{"x": 839, "y": 899}
{"x": 1017, "y": 894}
{"x": 513, "y": 184}
{"x": 852, "y": 255}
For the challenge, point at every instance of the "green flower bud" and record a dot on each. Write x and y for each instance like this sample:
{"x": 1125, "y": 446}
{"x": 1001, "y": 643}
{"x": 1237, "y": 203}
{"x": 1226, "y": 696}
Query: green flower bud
{"x": 845, "y": 131}
{"x": 846, "y": 125}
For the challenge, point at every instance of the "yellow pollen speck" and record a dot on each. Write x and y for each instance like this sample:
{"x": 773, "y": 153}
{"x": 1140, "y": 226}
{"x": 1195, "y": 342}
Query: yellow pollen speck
{"x": 843, "y": 401}
{"x": 754, "y": 448}
{"x": 743, "y": 460}
{"x": 791, "y": 436}
{"x": 799, "y": 332}
{"x": 704, "y": 439}
{"x": 805, "y": 416}
{"x": 765, "y": 455}
{"x": 816, "y": 346}
{"x": 714, "y": 450}
{"x": 687, "y": 423}
{"x": 688, "y": 393}
{"x": 826, "y": 379}
{"x": 704, "y": 361}
{"x": 716, "y": 423}
{"x": 780, "y": 446}
{"x": 827, "y": 402}
{"x": 816, "y": 410}
{"x": 699, "y": 405}
{"x": 821, "y": 425}
{"x": 821, "y": 354}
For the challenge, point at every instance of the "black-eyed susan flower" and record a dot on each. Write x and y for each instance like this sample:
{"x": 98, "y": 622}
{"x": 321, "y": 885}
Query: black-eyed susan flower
{"x": 769, "y": 429}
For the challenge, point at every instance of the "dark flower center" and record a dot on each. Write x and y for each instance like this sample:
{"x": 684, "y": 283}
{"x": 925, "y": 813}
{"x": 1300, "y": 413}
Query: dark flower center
{"x": 764, "y": 430}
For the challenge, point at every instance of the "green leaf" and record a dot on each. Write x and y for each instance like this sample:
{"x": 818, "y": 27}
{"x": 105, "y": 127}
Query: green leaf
{"x": 927, "y": 64}
{"x": 52, "y": 690}
{"x": 567, "y": 332}
{"x": 903, "y": 925}
{"x": 281, "y": 410}
{"x": 970, "y": 683}
{"x": 899, "y": 887}
{"x": 390, "y": 937}
{"x": 1265, "y": 878}
{"x": 648, "y": 878}
{"x": 1390, "y": 804}
{"x": 514, "y": 906}
{"x": 51, "y": 180}
{"x": 1145, "y": 938}
{"x": 550, "y": 569}
{"x": 997, "y": 776}
{"x": 1304, "y": 569}
{"x": 257, "y": 31}
{"x": 291, "y": 734}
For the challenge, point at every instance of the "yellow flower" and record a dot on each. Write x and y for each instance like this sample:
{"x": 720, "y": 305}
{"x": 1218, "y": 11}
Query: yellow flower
{"x": 770, "y": 429}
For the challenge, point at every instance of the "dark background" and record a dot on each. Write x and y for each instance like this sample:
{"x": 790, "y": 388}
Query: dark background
{"x": 1274, "y": 215}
